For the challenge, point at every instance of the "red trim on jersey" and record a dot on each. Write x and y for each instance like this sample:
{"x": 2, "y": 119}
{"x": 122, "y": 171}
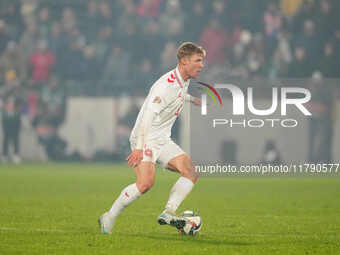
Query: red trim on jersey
{"x": 179, "y": 82}
{"x": 171, "y": 81}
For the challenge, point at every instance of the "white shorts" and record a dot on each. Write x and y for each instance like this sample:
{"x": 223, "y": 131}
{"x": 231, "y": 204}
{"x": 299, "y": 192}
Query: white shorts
{"x": 161, "y": 152}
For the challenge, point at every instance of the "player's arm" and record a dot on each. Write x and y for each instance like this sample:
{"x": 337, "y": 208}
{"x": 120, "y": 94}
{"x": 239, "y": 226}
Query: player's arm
{"x": 195, "y": 100}
{"x": 153, "y": 108}
{"x": 137, "y": 155}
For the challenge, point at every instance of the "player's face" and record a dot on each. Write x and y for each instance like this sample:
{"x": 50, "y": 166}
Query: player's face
{"x": 194, "y": 65}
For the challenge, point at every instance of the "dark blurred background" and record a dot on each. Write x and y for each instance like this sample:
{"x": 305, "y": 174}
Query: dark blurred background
{"x": 61, "y": 60}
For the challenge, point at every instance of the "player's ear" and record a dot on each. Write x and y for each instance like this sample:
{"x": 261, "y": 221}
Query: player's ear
{"x": 182, "y": 61}
{"x": 185, "y": 60}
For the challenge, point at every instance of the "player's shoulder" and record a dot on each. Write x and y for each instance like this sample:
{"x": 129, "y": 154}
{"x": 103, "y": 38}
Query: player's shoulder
{"x": 167, "y": 81}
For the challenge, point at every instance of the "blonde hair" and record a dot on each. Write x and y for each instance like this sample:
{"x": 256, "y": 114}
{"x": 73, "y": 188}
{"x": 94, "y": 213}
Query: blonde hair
{"x": 188, "y": 49}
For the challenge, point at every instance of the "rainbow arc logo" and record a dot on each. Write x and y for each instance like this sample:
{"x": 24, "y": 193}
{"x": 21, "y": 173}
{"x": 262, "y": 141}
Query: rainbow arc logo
{"x": 210, "y": 90}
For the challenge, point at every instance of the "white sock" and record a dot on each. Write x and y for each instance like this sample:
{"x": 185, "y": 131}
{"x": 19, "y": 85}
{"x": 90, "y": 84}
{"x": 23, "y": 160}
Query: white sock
{"x": 126, "y": 197}
{"x": 178, "y": 192}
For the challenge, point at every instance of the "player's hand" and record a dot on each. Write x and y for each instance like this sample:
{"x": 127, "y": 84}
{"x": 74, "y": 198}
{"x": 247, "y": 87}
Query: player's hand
{"x": 135, "y": 158}
{"x": 197, "y": 101}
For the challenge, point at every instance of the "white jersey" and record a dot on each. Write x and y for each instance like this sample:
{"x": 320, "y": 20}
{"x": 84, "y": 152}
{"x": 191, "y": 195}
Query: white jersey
{"x": 166, "y": 99}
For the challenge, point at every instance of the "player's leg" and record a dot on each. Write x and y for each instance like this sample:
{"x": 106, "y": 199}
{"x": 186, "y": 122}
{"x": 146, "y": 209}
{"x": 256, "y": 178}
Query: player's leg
{"x": 183, "y": 165}
{"x": 178, "y": 192}
{"x": 175, "y": 159}
{"x": 145, "y": 173}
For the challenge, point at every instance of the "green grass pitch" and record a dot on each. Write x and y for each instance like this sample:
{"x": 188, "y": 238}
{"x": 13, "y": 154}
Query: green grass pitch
{"x": 53, "y": 209}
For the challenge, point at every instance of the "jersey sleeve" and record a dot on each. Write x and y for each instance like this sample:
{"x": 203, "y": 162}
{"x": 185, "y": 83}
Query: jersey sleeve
{"x": 144, "y": 128}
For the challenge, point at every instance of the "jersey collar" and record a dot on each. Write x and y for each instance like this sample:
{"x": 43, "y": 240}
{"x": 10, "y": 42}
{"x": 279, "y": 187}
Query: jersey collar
{"x": 179, "y": 79}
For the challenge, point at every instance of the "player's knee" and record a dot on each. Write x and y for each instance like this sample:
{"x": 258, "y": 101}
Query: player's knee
{"x": 188, "y": 170}
{"x": 145, "y": 186}
{"x": 193, "y": 175}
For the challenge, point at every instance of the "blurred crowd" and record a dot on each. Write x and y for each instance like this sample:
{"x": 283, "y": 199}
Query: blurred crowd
{"x": 50, "y": 49}
{"x": 116, "y": 43}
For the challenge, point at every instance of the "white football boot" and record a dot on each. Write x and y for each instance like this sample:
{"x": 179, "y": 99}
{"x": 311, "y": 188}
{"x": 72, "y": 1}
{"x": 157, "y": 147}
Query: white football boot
{"x": 106, "y": 223}
{"x": 170, "y": 218}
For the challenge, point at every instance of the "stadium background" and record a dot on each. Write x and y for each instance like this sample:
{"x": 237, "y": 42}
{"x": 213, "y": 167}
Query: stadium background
{"x": 75, "y": 73}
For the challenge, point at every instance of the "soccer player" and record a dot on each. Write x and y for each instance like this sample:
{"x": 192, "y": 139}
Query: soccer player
{"x": 150, "y": 140}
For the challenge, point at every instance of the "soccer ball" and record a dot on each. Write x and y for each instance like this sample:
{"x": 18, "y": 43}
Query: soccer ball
{"x": 194, "y": 223}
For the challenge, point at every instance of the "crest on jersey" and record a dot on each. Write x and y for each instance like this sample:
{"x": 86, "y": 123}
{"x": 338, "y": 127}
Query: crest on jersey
{"x": 157, "y": 100}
